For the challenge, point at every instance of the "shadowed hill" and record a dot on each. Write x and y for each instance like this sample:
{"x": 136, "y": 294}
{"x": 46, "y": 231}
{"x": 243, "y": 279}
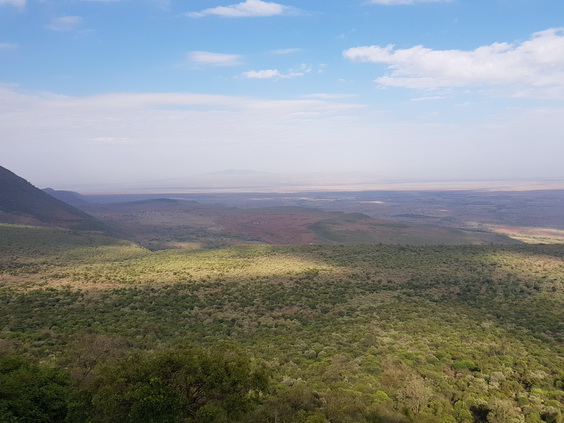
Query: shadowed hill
{"x": 23, "y": 203}
{"x": 70, "y": 197}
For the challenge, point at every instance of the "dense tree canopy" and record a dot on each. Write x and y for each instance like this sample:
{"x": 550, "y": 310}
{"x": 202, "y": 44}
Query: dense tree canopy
{"x": 390, "y": 334}
{"x": 30, "y": 393}
{"x": 182, "y": 385}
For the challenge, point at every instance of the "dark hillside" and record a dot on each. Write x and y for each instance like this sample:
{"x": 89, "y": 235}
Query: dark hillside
{"x": 23, "y": 203}
{"x": 70, "y": 197}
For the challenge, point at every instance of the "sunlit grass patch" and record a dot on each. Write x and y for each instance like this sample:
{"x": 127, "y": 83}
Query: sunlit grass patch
{"x": 129, "y": 264}
{"x": 542, "y": 270}
{"x": 531, "y": 235}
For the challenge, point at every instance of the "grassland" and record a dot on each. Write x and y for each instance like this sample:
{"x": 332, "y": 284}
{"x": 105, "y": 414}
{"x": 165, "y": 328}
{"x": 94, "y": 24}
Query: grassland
{"x": 347, "y": 333}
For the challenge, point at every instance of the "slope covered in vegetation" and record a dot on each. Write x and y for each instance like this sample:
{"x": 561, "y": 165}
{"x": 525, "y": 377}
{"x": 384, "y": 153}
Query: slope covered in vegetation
{"x": 344, "y": 333}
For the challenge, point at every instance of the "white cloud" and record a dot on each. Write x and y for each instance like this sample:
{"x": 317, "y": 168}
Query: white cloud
{"x": 276, "y": 74}
{"x": 208, "y": 58}
{"x": 17, "y": 3}
{"x": 263, "y": 74}
{"x": 65, "y": 23}
{"x": 402, "y": 2}
{"x": 248, "y": 8}
{"x": 536, "y": 63}
{"x": 7, "y": 46}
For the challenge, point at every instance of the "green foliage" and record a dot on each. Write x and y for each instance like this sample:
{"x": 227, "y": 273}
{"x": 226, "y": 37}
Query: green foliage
{"x": 28, "y": 249}
{"x": 31, "y": 393}
{"x": 182, "y": 385}
{"x": 465, "y": 365}
{"x": 349, "y": 333}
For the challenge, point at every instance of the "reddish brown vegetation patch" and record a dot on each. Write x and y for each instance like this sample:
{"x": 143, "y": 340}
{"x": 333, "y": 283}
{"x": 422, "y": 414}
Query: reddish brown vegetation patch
{"x": 275, "y": 228}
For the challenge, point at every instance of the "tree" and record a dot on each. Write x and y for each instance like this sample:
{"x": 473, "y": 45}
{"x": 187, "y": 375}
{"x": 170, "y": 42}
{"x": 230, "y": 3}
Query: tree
{"x": 30, "y": 393}
{"x": 503, "y": 411}
{"x": 183, "y": 385}
{"x": 415, "y": 395}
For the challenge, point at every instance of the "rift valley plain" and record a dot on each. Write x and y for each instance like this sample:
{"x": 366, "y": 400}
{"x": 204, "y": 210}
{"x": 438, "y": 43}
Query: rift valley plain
{"x": 422, "y": 306}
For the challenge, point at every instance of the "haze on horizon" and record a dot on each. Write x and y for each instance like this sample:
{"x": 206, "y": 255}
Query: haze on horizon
{"x": 98, "y": 92}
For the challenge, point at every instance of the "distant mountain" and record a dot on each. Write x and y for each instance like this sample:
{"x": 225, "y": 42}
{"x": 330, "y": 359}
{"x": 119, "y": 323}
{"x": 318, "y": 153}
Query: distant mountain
{"x": 70, "y": 197}
{"x": 250, "y": 180}
{"x": 237, "y": 172}
{"x": 23, "y": 203}
{"x": 234, "y": 178}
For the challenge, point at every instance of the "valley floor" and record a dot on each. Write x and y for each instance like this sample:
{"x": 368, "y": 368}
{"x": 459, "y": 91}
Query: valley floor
{"x": 345, "y": 333}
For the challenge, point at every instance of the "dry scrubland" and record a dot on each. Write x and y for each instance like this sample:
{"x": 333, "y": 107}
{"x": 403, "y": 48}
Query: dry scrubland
{"x": 167, "y": 223}
{"x": 298, "y": 333}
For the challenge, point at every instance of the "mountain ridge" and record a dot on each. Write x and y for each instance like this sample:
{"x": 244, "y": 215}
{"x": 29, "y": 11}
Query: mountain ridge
{"x": 23, "y": 203}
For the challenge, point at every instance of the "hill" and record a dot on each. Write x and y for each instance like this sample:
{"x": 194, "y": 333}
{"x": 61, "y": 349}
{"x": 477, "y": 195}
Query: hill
{"x": 70, "y": 197}
{"x": 23, "y": 203}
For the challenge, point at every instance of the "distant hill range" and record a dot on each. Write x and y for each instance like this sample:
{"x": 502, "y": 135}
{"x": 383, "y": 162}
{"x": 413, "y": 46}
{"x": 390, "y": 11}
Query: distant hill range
{"x": 70, "y": 197}
{"x": 22, "y": 203}
{"x": 238, "y": 180}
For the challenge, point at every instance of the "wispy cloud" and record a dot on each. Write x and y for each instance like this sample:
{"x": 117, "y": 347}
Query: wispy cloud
{"x": 246, "y": 9}
{"x": 327, "y": 96}
{"x": 161, "y": 135}
{"x": 276, "y": 74}
{"x": 65, "y": 23}
{"x": 403, "y": 2}
{"x": 7, "y": 46}
{"x": 17, "y": 3}
{"x": 428, "y": 98}
{"x": 207, "y": 58}
{"x": 286, "y": 51}
{"x": 262, "y": 74}
{"x": 168, "y": 134}
{"x": 536, "y": 63}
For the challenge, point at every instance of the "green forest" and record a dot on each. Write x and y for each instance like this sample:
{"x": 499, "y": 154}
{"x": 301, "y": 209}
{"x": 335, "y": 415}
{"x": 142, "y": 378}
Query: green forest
{"x": 99, "y": 330}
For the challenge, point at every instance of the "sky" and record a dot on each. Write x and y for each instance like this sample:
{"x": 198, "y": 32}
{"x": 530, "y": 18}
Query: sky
{"x": 99, "y": 92}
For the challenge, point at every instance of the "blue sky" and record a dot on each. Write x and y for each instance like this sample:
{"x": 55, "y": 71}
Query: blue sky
{"x": 98, "y": 91}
